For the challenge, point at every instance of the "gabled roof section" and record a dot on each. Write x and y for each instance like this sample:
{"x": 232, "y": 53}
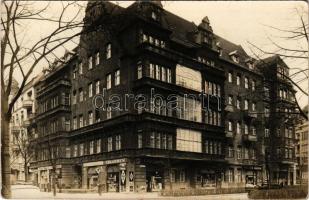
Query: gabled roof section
{"x": 228, "y": 48}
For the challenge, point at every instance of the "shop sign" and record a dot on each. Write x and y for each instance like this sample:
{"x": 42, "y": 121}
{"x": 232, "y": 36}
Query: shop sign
{"x": 131, "y": 176}
{"x": 116, "y": 161}
{"x": 122, "y": 166}
{"x": 123, "y": 177}
{"x": 105, "y": 162}
{"x": 97, "y": 170}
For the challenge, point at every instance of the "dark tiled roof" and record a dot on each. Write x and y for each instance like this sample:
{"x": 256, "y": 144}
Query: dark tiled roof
{"x": 271, "y": 60}
{"x": 228, "y": 47}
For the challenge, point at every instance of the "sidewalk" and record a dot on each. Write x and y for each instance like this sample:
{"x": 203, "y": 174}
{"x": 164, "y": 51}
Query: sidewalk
{"x": 31, "y": 192}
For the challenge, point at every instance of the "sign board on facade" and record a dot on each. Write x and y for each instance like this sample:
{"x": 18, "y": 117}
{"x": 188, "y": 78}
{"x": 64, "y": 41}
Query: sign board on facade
{"x": 131, "y": 176}
{"x": 105, "y": 162}
{"x": 123, "y": 177}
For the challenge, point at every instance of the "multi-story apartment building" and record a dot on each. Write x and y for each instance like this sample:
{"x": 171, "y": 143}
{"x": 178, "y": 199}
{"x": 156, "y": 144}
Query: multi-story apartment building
{"x": 150, "y": 101}
{"x": 20, "y": 130}
{"x": 301, "y": 148}
{"x": 279, "y": 138}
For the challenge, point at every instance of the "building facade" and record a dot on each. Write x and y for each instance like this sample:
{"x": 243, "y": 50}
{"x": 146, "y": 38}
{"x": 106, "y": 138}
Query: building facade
{"x": 301, "y": 149}
{"x": 20, "y": 132}
{"x": 177, "y": 107}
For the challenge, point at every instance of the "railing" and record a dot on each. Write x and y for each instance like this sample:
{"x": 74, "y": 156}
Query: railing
{"x": 250, "y": 114}
{"x": 15, "y": 128}
{"x": 229, "y": 108}
{"x": 249, "y": 138}
{"x": 27, "y": 103}
{"x": 249, "y": 161}
{"x": 229, "y": 134}
{"x": 26, "y": 123}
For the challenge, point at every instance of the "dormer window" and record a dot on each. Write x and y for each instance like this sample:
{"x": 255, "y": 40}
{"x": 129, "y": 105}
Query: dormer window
{"x": 234, "y": 56}
{"x": 154, "y": 15}
{"x": 250, "y": 64}
{"x": 219, "y": 48}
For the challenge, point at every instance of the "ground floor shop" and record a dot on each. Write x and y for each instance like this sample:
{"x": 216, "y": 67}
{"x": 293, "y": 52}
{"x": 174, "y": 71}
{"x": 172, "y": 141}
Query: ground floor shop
{"x": 153, "y": 175}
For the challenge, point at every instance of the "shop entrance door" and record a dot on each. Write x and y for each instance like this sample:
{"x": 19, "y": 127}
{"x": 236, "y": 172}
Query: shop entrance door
{"x": 113, "y": 182}
{"x": 154, "y": 181}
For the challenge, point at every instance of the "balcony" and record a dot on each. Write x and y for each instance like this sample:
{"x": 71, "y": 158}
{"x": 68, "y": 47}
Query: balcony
{"x": 229, "y": 108}
{"x": 229, "y": 134}
{"x": 26, "y": 123}
{"x": 27, "y": 103}
{"x": 15, "y": 129}
{"x": 249, "y": 138}
{"x": 249, "y": 161}
{"x": 250, "y": 114}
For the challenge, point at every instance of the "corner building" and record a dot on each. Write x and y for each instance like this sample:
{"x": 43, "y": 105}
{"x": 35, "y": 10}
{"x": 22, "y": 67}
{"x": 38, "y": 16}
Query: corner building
{"x": 161, "y": 71}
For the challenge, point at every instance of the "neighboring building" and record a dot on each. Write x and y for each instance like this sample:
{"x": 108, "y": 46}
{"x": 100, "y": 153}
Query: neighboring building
{"x": 302, "y": 149}
{"x": 23, "y": 112}
{"x": 279, "y": 138}
{"x": 142, "y": 146}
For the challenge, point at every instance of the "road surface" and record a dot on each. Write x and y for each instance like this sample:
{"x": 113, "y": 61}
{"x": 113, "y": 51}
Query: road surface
{"x": 32, "y": 192}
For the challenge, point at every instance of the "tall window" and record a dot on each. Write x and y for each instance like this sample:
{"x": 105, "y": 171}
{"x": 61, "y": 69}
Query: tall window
{"x": 188, "y": 140}
{"x": 117, "y": 77}
{"x": 238, "y": 128}
{"x": 230, "y": 126}
{"x": 253, "y": 84}
{"x": 189, "y": 109}
{"x": 163, "y": 74}
{"x": 90, "y": 62}
{"x": 169, "y": 75}
{"x": 246, "y": 82}
{"x": 230, "y": 100}
{"x": 109, "y": 112}
{"x": 90, "y": 90}
{"x": 81, "y": 95}
{"x": 108, "y": 51}
{"x": 118, "y": 142}
{"x": 253, "y": 106}
{"x": 109, "y": 144}
{"x": 239, "y": 155}
{"x": 80, "y": 68}
{"x": 158, "y": 72}
{"x": 238, "y": 79}
{"x": 90, "y": 117}
{"x": 97, "y": 87}
{"x": 98, "y": 146}
{"x": 139, "y": 140}
{"x": 74, "y": 71}
{"x": 81, "y": 121}
{"x": 253, "y": 130}
{"x": 246, "y": 104}
{"x": 238, "y": 103}
{"x": 139, "y": 71}
{"x": 74, "y": 123}
{"x": 81, "y": 149}
{"x": 151, "y": 70}
{"x": 74, "y": 97}
{"x": 75, "y": 150}
{"x": 108, "y": 81}
{"x": 97, "y": 58}
{"x": 230, "y": 77}
{"x": 188, "y": 78}
{"x": 91, "y": 147}
{"x": 246, "y": 129}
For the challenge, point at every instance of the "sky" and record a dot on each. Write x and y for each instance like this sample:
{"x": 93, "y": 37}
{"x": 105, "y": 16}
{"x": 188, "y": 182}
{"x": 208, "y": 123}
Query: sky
{"x": 241, "y": 22}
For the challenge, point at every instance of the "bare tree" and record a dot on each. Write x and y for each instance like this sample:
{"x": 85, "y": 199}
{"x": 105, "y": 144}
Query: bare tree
{"x": 25, "y": 150}
{"x": 299, "y": 35}
{"x": 21, "y": 53}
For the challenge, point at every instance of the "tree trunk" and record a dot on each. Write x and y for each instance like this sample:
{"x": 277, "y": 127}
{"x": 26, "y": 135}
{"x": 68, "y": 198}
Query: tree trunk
{"x": 26, "y": 171}
{"x": 5, "y": 151}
